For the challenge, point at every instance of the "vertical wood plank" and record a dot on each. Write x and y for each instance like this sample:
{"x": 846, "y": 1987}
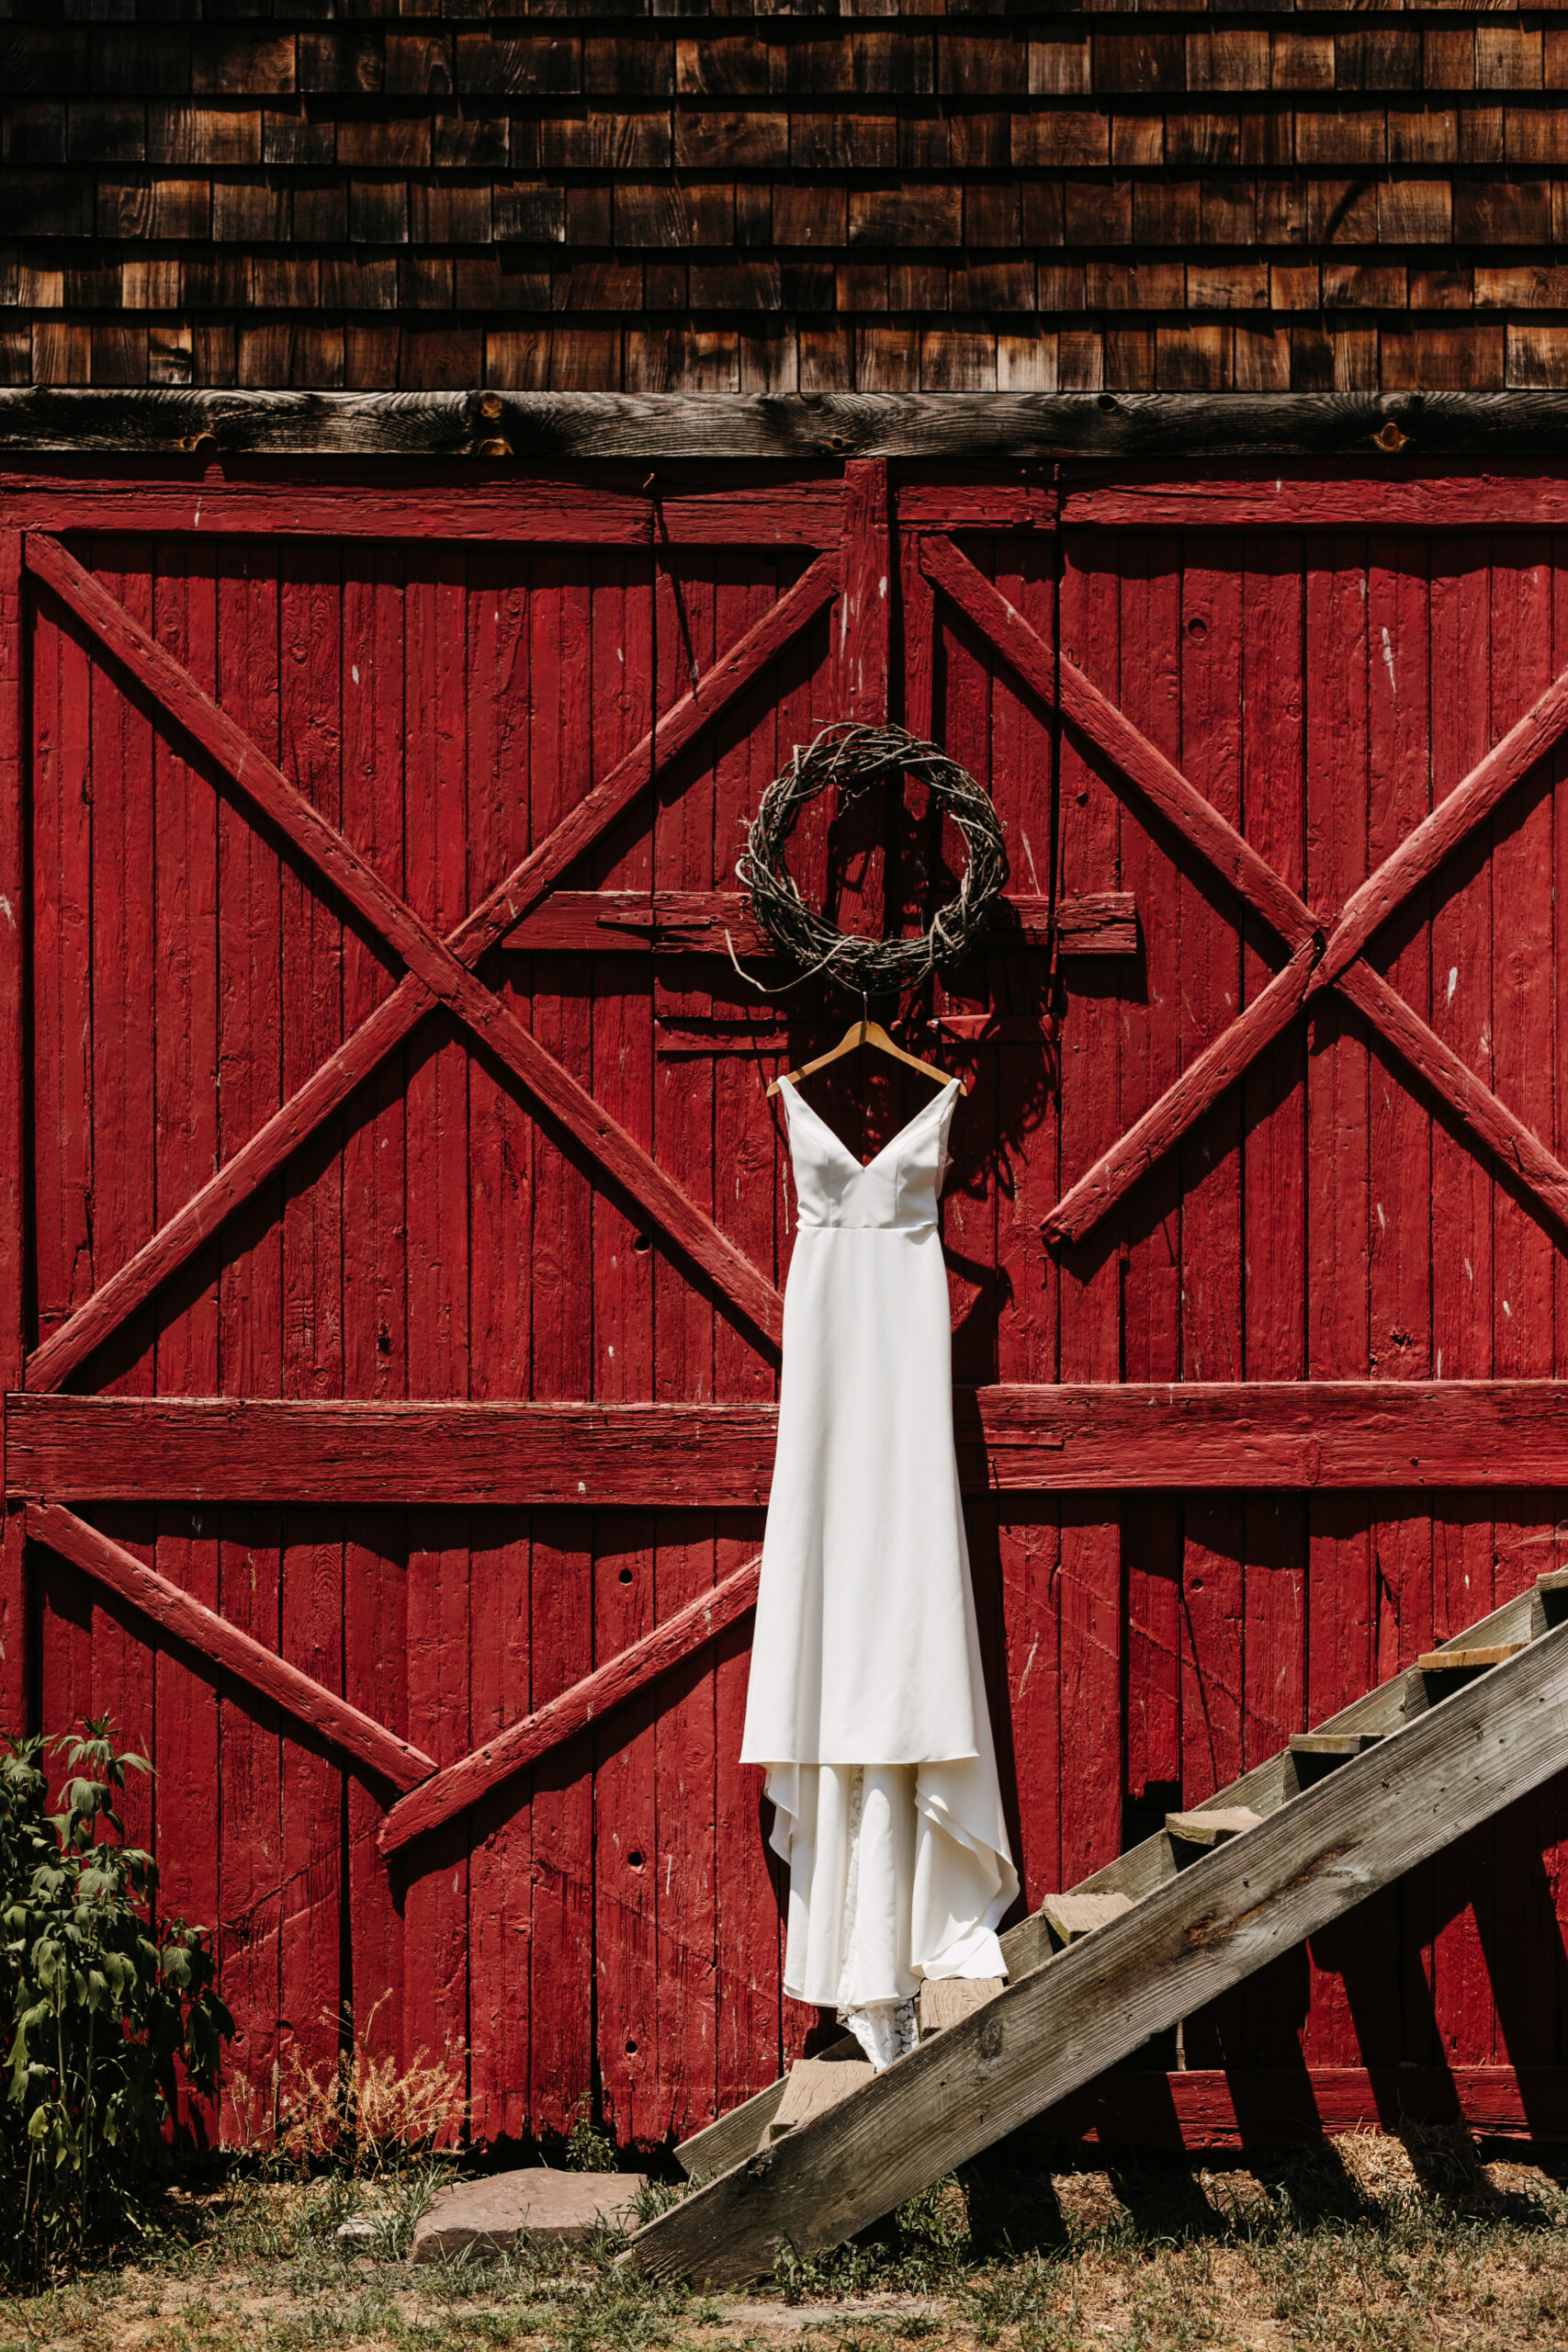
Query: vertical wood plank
{"x": 250, "y": 1309}
{"x": 375, "y": 1273}
{"x": 1023, "y": 1181}
{"x": 15, "y": 1285}
{"x": 1463, "y": 1199}
{"x": 747, "y": 1197}
{"x": 1092, "y": 1744}
{"x": 671, "y": 1913}
{"x": 440, "y": 1628}
{"x": 312, "y": 1605}
{"x": 1522, "y": 1946}
{"x": 186, "y": 980}
{"x": 564, "y": 1985}
{"x": 500, "y": 1833}
{"x": 866, "y": 596}
{"x": 627, "y": 1569}
{"x": 1340, "y": 1625}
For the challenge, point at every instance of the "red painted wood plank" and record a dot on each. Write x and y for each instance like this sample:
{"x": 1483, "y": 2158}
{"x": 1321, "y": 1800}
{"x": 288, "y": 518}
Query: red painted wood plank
{"x": 1024, "y": 1541}
{"x": 865, "y": 592}
{"x": 244, "y": 661}
{"x": 427, "y": 957}
{"x": 563, "y": 1954}
{"x": 224, "y": 1646}
{"x": 1419, "y": 855}
{"x": 1091, "y": 1631}
{"x": 1012, "y": 1439}
{"x": 441, "y": 1279}
{"x": 1273, "y": 1298}
{"x": 1177, "y": 1110}
{"x": 749, "y": 1199}
{"x": 14, "y": 1056}
{"x": 375, "y": 684}
{"x": 533, "y": 510}
{"x": 1163, "y": 786}
{"x": 1340, "y": 1210}
{"x": 1210, "y": 1255}
{"x": 365, "y": 1049}
{"x": 1516, "y": 1143}
{"x": 309, "y": 1565}
{"x": 625, "y": 649}
{"x": 575, "y": 831}
{"x": 458, "y": 1786}
{"x": 1344, "y": 500}
{"x": 677, "y": 922}
{"x": 501, "y": 1226}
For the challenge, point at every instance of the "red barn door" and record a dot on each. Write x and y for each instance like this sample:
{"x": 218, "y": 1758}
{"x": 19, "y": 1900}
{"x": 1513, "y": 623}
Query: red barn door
{"x": 395, "y": 1222}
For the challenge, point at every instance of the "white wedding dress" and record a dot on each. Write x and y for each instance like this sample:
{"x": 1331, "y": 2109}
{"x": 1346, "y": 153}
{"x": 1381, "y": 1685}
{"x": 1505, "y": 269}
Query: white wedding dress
{"x": 866, "y": 1702}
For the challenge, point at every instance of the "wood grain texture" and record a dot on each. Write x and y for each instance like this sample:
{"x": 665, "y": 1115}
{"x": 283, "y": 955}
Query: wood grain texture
{"x": 976, "y": 428}
{"x": 1132, "y": 755}
{"x": 456, "y": 1786}
{"x": 224, "y": 1646}
{"x": 328, "y": 1087}
{"x": 1187, "y": 1941}
{"x": 535, "y": 1441}
{"x": 1014, "y": 1438}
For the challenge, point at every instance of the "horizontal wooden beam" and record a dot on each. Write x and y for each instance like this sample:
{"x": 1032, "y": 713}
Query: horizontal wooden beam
{"x": 225, "y": 1646}
{"x": 674, "y": 506}
{"x": 1012, "y": 1439}
{"x": 1384, "y": 497}
{"x": 560, "y": 429}
{"x": 687, "y": 922}
{"x": 462, "y": 1784}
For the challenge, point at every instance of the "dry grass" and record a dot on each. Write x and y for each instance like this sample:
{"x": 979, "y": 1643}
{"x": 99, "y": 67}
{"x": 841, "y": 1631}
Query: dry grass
{"x": 1397, "y": 2244}
{"x": 362, "y": 2115}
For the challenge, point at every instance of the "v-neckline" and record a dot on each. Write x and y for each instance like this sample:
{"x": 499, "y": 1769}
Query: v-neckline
{"x": 864, "y": 1167}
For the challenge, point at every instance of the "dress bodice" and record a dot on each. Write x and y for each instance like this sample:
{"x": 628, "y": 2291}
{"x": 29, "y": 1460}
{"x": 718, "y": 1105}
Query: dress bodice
{"x": 896, "y": 1191}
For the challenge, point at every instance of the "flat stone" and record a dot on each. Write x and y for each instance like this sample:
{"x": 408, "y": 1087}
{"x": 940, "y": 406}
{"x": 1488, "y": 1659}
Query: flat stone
{"x": 491, "y": 2215}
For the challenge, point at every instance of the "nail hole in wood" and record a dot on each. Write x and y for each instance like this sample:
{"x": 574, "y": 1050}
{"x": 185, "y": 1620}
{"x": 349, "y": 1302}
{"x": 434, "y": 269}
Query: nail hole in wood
{"x": 626, "y": 1575}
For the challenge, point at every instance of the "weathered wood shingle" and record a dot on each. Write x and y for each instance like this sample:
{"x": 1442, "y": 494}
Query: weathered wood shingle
{"x": 1137, "y": 197}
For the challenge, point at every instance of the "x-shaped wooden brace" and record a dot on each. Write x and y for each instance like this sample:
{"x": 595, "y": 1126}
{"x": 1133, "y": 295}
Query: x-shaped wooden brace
{"x": 437, "y": 971}
{"x": 1316, "y": 962}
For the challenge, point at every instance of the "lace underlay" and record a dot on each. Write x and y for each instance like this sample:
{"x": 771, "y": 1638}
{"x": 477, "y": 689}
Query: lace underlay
{"x": 885, "y": 2030}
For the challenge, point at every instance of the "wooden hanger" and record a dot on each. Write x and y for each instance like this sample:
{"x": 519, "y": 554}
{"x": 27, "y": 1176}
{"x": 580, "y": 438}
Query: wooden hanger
{"x": 866, "y": 1031}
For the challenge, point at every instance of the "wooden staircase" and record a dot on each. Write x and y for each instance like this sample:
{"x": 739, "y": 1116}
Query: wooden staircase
{"x": 1150, "y": 1938}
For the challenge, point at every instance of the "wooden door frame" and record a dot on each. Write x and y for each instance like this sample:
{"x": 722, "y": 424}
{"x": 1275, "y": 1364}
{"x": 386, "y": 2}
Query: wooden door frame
{"x": 60, "y": 1449}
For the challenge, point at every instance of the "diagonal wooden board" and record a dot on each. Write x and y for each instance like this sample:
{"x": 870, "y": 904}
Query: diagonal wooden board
{"x": 1060, "y": 684}
{"x": 1067, "y": 2018}
{"x": 117, "y": 1299}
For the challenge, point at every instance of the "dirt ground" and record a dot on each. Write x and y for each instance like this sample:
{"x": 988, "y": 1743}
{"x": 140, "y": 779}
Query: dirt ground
{"x": 1370, "y": 2241}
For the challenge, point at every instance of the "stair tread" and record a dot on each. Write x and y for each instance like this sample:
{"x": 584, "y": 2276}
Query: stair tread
{"x": 1071, "y": 1916}
{"x": 1203, "y": 1826}
{"x": 1465, "y": 1661}
{"x": 733, "y": 2138}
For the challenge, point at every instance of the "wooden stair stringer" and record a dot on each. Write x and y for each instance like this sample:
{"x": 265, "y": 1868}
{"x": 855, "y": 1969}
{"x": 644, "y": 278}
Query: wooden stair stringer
{"x": 1137, "y": 1873}
{"x": 1065, "y": 2020}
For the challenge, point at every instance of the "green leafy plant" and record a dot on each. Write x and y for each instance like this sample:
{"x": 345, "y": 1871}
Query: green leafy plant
{"x": 102, "y": 2002}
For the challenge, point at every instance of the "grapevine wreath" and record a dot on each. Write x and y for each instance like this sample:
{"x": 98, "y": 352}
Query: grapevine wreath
{"x": 853, "y": 759}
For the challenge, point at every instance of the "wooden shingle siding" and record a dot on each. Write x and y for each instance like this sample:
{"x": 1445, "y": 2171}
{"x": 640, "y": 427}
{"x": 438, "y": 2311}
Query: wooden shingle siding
{"x": 1129, "y": 197}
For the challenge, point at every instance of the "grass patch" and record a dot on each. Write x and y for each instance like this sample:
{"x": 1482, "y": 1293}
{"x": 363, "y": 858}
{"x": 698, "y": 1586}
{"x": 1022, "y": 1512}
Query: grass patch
{"x": 1368, "y": 2241}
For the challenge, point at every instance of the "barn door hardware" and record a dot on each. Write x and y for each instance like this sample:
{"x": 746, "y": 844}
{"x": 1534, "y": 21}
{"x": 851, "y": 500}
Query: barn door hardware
{"x": 1315, "y": 963}
{"x": 1215, "y": 1895}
